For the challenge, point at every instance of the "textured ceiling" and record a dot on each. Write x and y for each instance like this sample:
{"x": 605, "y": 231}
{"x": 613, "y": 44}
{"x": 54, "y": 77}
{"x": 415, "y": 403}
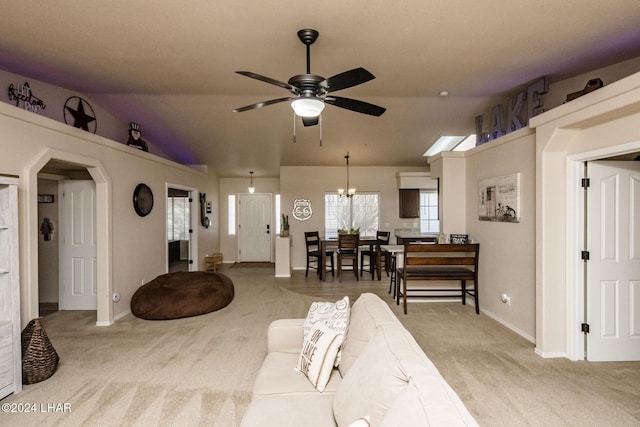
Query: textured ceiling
{"x": 170, "y": 66}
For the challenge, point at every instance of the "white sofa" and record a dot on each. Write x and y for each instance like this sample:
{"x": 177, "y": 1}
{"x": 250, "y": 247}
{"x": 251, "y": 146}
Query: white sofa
{"x": 383, "y": 375}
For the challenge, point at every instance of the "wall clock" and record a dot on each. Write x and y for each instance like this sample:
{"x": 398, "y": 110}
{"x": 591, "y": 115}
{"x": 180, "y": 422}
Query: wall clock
{"x": 142, "y": 199}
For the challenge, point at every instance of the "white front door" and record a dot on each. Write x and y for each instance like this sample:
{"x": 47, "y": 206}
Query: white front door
{"x": 613, "y": 269}
{"x": 77, "y": 289}
{"x": 254, "y": 227}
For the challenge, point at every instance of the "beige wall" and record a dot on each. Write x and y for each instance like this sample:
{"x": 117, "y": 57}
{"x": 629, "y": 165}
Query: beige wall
{"x": 588, "y": 128}
{"x": 507, "y": 250}
{"x": 133, "y": 248}
{"x": 48, "y": 250}
{"x": 310, "y": 182}
{"x": 108, "y": 126}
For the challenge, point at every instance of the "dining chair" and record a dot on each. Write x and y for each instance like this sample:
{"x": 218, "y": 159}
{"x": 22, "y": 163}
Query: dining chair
{"x": 312, "y": 240}
{"x": 372, "y": 253}
{"x": 348, "y": 249}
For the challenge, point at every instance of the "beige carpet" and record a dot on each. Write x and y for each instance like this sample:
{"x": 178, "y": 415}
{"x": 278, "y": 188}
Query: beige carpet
{"x": 199, "y": 371}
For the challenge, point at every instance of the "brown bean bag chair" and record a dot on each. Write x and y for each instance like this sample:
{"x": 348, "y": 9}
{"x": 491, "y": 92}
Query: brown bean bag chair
{"x": 182, "y": 294}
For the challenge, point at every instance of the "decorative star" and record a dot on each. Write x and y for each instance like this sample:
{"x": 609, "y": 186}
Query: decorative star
{"x": 81, "y": 119}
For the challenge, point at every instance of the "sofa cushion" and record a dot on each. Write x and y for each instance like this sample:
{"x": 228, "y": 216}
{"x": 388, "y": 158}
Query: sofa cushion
{"x": 372, "y": 383}
{"x": 428, "y": 401}
{"x": 290, "y": 411}
{"x": 278, "y": 376}
{"x": 335, "y": 315}
{"x": 367, "y": 311}
{"x": 319, "y": 353}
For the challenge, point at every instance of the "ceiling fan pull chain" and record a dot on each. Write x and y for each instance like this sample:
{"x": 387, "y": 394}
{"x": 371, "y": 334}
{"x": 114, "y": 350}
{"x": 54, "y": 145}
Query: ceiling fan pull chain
{"x": 320, "y": 122}
{"x": 294, "y": 127}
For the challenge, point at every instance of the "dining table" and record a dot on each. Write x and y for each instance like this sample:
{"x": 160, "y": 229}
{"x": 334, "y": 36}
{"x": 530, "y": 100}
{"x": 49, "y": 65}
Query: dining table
{"x": 331, "y": 242}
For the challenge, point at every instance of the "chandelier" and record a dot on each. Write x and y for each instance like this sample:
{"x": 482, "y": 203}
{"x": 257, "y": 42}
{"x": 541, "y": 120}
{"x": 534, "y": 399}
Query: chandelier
{"x": 349, "y": 192}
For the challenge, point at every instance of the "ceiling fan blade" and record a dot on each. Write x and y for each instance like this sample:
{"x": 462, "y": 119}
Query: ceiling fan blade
{"x": 309, "y": 121}
{"x": 261, "y": 104}
{"x": 345, "y": 80}
{"x": 355, "y": 105}
{"x": 269, "y": 80}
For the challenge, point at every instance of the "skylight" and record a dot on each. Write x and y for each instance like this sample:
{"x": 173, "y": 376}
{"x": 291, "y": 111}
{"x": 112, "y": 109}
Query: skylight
{"x": 444, "y": 143}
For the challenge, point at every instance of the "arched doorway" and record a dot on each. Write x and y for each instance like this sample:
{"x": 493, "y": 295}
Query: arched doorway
{"x": 30, "y": 299}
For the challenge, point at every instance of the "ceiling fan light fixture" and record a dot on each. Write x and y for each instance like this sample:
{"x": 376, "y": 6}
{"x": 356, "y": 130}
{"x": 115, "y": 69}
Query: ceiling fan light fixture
{"x": 307, "y": 107}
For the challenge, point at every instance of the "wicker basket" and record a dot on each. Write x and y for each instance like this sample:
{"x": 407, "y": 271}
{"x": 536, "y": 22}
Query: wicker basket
{"x": 39, "y": 358}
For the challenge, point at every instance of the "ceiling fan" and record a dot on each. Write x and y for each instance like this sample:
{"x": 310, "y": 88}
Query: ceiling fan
{"x": 311, "y": 91}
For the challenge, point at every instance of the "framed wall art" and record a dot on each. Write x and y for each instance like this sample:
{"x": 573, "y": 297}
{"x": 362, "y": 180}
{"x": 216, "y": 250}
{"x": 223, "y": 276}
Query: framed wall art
{"x": 499, "y": 198}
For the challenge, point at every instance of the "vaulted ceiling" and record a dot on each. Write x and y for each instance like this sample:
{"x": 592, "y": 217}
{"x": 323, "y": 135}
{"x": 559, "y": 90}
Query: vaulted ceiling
{"x": 170, "y": 66}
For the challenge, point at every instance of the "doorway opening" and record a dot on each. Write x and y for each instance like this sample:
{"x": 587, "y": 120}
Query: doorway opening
{"x": 254, "y": 227}
{"x": 68, "y": 162}
{"x": 577, "y": 270}
{"x": 182, "y": 236}
{"x": 67, "y": 277}
{"x": 179, "y": 206}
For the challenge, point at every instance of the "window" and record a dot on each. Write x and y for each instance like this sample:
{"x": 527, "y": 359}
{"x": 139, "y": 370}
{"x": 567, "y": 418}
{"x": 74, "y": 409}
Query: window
{"x": 362, "y": 211}
{"x": 429, "y": 222}
{"x": 277, "y": 203}
{"x": 178, "y": 218}
{"x": 231, "y": 213}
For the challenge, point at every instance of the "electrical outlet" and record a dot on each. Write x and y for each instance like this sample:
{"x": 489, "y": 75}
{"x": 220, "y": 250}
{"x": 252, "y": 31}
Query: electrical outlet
{"x": 505, "y": 298}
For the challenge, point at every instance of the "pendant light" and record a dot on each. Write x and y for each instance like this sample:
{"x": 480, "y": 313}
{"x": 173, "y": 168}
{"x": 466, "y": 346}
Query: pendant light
{"x": 251, "y": 187}
{"x": 349, "y": 191}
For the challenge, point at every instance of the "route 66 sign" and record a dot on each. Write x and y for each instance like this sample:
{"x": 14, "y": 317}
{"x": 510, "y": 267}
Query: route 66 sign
{"x": 302, "y": 209}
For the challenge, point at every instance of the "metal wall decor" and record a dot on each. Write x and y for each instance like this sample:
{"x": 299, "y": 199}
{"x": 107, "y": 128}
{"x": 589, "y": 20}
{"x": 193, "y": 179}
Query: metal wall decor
{"x": 30, "y": 101}
{"x": 79, "y": 114}
{"x": 204, "y": 219}
{"x": 302, "y": 209}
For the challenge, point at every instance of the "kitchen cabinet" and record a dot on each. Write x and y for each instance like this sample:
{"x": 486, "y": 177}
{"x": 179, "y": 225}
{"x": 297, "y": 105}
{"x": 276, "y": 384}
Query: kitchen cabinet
{"x": 409, "y": 202}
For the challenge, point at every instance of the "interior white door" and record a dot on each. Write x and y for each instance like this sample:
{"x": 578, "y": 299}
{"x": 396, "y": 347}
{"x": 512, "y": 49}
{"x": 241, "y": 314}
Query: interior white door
{"x": 77, "y": 288}
{"x": 613, "y": 269}
{"x": 254, "y": 227}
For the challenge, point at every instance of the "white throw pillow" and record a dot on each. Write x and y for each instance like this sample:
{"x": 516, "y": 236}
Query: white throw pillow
{"x": 361, "y": 422}
{"x": 318, "y": 354}
{"x": 335, "y": 315}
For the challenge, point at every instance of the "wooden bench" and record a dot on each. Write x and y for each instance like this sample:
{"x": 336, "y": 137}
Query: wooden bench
{"x": 423, "y": 261}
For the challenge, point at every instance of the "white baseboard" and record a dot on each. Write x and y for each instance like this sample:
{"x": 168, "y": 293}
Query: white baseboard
{"x": 104, "y": 323}
{"x": 116, "y": 318}
{"x": 121, "y": 315}
{"x": 509, "y": 326}
{"x": 552, "y": 355}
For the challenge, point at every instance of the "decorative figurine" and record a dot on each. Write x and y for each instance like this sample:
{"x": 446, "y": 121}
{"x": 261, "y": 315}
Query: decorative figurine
{"x": 134, "y": 137}
{"x": 47, "y": 229}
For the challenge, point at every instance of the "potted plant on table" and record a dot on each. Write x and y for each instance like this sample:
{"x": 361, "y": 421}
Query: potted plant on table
{"x": 285, "y": 226}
